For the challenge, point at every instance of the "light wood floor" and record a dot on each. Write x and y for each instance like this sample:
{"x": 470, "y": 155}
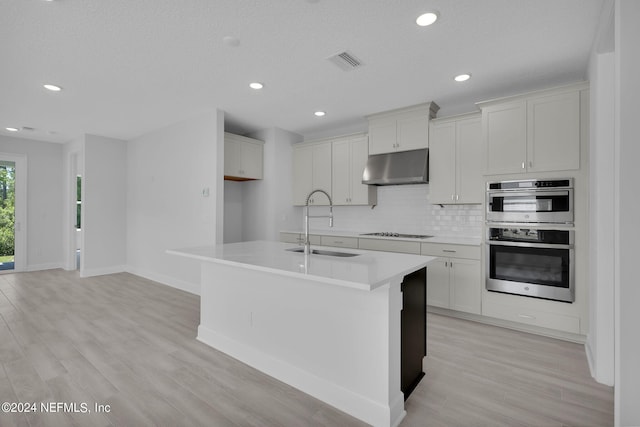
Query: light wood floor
{"x": 127, "y": 342}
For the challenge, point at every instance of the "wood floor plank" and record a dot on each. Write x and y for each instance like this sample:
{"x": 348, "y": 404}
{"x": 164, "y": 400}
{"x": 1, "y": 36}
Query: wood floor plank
{"x": 128, "y": 342}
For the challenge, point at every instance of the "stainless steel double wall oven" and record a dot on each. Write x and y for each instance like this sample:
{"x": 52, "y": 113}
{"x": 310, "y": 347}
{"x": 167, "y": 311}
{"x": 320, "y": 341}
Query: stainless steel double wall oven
{"x": 529, "y": 243}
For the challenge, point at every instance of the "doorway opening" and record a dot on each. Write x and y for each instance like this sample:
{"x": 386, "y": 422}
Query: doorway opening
{"x": 78, "y": 234}
{"x": 7, "y": 215}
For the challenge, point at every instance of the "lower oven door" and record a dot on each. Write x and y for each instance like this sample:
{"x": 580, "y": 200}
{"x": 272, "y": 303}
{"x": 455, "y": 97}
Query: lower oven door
{"x": 531, "y": 269}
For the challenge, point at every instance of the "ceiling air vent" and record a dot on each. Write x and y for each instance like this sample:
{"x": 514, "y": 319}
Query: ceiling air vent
{"x": 345, "y": 61}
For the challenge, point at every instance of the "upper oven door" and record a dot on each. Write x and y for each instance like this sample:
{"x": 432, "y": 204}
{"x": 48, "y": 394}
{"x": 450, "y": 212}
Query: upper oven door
{"x": 531, "y": 206}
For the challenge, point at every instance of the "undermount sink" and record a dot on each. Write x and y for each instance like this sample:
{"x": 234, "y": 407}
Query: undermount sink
{"x": 323, "y": 252}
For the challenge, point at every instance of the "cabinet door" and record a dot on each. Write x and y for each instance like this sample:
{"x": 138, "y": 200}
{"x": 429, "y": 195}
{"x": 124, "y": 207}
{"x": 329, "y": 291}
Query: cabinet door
{"x": 341, "y": 171}
{"x": 442, "y": 167}
{"x": 360, "y": 193}
{"x": 466, "y": 285}
{"x": 251, "y": 160}
{"x": 553, "y": 133}
{"x": 231, "y": 158}
{"x": 469, "y": 180}
{"x": 382, "y": 136}
{"x": 505, "y": 137}
{"x": 413, "y": 131}
{"x": 438, "y": 283}
{"x": 302, "y": 173}
{"x": 321, "y": 172}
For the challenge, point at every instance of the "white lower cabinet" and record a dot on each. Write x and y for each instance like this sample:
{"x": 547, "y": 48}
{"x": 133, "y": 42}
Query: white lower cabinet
{"x": 339, "y": 242}
{"x": 299, "y": 238}
{"x": 454, "y": 282}
{"x": 401, "y": 246}
{"x": 524, "y": 313}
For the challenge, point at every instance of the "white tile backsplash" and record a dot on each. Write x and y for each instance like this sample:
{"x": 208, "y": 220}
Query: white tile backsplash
{"x": 406, "y": 209}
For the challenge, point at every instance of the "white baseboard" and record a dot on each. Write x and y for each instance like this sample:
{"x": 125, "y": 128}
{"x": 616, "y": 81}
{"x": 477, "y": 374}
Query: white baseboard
{"x": 102, "y": 271}
{"x": 47, "y": 266}
{"x": 589, "y": 352}
{"x": 522, "y": 327}
{"x": 361, "y": 407}
{"x": 192, "y": 288}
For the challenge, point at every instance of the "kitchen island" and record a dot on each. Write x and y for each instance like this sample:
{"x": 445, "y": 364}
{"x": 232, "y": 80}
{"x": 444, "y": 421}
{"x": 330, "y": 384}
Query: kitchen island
{"x": 329, "y": 325}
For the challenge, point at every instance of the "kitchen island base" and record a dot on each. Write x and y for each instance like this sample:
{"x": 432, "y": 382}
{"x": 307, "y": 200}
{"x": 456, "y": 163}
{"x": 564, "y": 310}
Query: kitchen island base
{"x": 337, "y": 344}
{"x": 328, "y": 325}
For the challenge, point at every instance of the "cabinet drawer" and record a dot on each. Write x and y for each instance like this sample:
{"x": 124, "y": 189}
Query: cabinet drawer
{"x": 449, "y": 250}
{"x": 341, "y": 242}
{"x": 290, "y": 237}
{"x": 560, "y": 322}
{"x": 390, "y": 246}
{"x": 299, "y": 238}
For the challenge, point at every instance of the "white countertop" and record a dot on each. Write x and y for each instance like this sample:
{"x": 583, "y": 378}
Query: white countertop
{"x": 455, "y": 240}
{"x": 367, "y": 271}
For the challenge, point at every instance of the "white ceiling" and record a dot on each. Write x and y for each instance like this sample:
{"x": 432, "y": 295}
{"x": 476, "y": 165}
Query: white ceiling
{"x": 132, "y": 66}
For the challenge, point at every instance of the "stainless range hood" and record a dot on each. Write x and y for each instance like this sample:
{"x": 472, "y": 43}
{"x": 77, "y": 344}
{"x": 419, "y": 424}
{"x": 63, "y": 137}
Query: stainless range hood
{"x": 401, "y": 167}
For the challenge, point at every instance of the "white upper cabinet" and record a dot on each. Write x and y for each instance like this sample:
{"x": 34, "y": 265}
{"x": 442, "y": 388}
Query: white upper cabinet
{"x": 553, "y": 132}
{"x": 349, "y": 156}
{"x": 455, "y": 168}
{"x": 537, "y": 132}
{"x": 243, "y": 158}
{"x": 311, "y": 171}
{"x": 505, "y": 137}
{"x": 401, "y": 130}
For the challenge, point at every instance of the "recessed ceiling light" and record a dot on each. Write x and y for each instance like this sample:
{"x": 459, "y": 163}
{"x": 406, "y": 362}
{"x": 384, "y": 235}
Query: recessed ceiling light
{"x": 52, "y": 88}
{"x": 427, "y": 19}
{"x": 319, "y": 113}
{"x": 231, "y": 41}
{"x": 10, "y": 129}
{"x": 462, "y": 77}
{"x": 256, "y": 85}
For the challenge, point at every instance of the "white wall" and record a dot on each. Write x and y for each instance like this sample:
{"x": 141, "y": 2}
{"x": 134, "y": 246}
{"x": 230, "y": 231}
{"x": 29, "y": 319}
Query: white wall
{"x": 167, "y": 171}
{"x": 104, "y": 223}
{"x": 600, "y": 338}
{"x": 259, "y": 210}
{"x": 627, "y": 229}
{"x": 266, "y": 206}
{"x": 44, "y": 200}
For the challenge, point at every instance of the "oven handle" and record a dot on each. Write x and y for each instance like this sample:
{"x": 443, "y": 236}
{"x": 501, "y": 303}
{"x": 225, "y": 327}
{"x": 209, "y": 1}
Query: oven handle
{"x": 533, "y": 193}
{"x": 529, "y": 245}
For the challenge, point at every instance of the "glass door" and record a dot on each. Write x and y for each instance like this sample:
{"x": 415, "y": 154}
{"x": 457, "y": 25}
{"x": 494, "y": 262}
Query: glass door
{"x": 7, "y": 215}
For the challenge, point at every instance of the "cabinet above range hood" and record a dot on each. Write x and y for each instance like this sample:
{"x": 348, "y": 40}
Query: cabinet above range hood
{"x": 400, "y": 167}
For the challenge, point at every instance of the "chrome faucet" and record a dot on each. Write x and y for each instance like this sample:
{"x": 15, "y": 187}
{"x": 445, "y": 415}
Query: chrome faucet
{"x": 307, "y": 243}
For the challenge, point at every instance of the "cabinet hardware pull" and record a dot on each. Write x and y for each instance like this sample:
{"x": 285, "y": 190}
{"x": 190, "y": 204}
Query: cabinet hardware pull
{"x": 527, "y": 316}
{"x": 449, "y": 250}
{"x": 457, "y": 197}
{"x": 522, "y": 165}
{"x": 530, "y": 164}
